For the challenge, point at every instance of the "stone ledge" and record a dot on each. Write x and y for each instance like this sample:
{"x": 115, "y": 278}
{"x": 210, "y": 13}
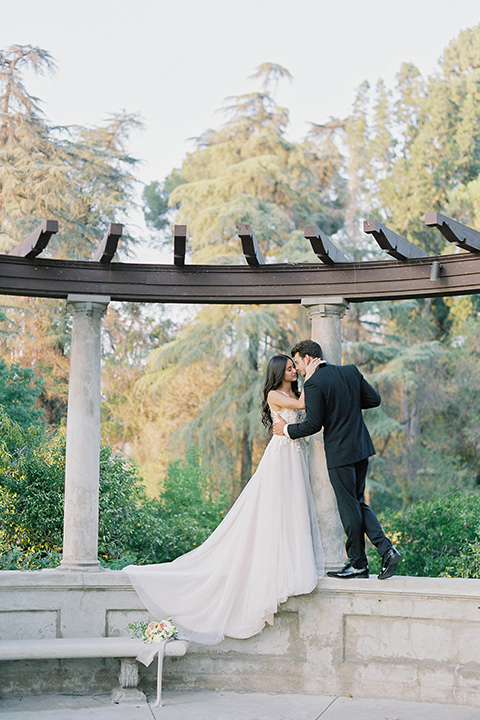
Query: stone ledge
{"x": 58, "y": 578}
{"x": 417, "y": 586}
{"x": 51, "y": 578}
{"x": 63, "y": 648}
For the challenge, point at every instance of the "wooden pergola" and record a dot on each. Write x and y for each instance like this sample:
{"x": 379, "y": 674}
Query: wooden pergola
{"x": 409, "y": 273}
{"x": 325, "y": 288}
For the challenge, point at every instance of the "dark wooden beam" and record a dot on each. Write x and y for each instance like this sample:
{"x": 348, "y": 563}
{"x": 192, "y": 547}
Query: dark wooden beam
{"x": 251, "y": 249}
{"x": 282, "y": 283}
{"x": 179, "y": 244}
{"x": 108, "y": 247}
{"x": 395, "y": 245}
{"x": 37, "y": 241}
{"x": 454, "y": 231}
{"x": 323, "y": 247}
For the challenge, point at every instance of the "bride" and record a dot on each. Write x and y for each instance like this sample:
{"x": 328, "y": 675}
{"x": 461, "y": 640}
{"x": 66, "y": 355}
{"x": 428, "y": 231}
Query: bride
{"x": 266, "y": 549}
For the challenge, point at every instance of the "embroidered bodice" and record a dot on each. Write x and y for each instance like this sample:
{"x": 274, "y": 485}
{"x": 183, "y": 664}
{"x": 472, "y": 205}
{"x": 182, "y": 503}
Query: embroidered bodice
{"x": 290, "y": 415}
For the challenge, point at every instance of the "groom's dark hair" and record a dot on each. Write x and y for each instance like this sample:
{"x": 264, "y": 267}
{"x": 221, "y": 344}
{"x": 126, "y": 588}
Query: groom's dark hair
{"x": 307, "y": 347}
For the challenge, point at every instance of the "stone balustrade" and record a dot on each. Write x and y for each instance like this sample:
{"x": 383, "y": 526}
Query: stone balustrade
{"x": 406, "y": 638}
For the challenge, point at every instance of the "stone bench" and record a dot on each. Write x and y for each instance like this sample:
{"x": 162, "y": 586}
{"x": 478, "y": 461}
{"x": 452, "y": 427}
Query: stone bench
{"x": 125, "y": 649}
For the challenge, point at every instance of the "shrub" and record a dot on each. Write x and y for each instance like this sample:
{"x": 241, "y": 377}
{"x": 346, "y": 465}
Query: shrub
{"x": 32, "y": 477}
{"x": 192, "y": 505}
{"x": 133, "y": 528}
{"x": 437, "y": 538}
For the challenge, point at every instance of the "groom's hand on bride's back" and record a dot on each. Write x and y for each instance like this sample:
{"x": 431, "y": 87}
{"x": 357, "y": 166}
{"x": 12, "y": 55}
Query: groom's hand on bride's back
{"x": 278, "y": 426}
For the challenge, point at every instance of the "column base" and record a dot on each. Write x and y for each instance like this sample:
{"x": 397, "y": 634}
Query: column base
{"x": 85, "y": 566}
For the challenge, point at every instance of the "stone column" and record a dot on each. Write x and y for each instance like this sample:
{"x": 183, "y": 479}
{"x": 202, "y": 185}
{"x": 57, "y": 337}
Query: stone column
{"x": 80, "y": 531}
{"x": 325, "y": 314}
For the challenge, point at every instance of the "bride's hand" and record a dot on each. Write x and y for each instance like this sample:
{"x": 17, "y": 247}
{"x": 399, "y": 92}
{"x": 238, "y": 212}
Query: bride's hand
{"x": 311, "y": 367}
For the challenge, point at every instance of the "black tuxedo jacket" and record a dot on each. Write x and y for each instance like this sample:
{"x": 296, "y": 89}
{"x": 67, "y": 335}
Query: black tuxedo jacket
{"x": 334, "y": 398}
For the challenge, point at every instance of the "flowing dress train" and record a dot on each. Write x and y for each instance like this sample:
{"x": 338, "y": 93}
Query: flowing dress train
{"x": 266, "y": 549}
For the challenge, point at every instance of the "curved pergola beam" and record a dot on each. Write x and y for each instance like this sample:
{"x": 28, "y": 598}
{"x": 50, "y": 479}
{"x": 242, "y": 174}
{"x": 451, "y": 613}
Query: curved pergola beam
{"x": 226, "y": 284}
{"x": 413, "y": 274}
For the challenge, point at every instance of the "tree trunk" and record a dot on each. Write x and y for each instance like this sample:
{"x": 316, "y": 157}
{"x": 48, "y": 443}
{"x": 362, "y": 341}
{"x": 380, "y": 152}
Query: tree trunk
{"x": 246, "y": 458}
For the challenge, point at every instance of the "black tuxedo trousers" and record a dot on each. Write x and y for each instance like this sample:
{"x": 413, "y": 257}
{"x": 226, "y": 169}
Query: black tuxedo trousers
{"x": 335, "y": 396}
{"x": 358, "y": 519}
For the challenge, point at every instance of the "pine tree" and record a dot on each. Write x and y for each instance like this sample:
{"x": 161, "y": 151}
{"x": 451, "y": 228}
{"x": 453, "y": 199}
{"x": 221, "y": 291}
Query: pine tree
{"x": 244, "y": 172}
{"x": 81, "y": 177}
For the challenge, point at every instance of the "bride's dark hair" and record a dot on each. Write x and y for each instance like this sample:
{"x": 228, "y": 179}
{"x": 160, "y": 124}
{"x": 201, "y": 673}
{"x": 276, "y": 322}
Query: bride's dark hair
{"x": 273, "y": 379}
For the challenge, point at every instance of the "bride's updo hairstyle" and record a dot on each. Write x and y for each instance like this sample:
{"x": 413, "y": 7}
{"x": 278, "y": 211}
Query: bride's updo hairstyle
{"x": 273, "y": 379}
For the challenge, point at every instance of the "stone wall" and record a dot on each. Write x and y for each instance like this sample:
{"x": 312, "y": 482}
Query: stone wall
{"x": 406, "y": 638}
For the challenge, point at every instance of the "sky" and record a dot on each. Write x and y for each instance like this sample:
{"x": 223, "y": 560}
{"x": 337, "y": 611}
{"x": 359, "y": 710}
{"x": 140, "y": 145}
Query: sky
{"x": 175, "y": 62}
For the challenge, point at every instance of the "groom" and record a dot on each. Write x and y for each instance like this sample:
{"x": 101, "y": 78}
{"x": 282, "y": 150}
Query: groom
{"x": 334, "y": 398}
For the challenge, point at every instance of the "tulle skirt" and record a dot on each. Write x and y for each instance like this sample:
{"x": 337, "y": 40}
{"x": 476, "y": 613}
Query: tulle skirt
{"x": 266, "y": 549}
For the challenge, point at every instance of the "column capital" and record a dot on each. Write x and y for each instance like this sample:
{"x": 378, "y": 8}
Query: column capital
{"x": 325, "y": 306}
{"x": 89, "y": 304}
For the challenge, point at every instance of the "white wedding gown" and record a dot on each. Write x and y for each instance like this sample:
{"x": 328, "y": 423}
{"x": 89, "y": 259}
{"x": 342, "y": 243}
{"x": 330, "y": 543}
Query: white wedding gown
{"x": 266, "y": 549}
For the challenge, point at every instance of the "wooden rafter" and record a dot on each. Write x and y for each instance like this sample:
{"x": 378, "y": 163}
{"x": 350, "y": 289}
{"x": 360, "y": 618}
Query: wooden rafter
{"x": 454, "y": 231}
{"x": 108, "y": 247}
{"x": 179, "y": 244}
{"x": 323, "y": 247}
{"x": 251, "y": 248}
{"x": 395, "y": 245}
{"x": 37, "y": 241}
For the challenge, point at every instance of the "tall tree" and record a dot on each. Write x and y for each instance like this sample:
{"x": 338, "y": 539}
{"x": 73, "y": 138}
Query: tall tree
{"x": 80, "y": 176}
{"x": 245, "y": 172}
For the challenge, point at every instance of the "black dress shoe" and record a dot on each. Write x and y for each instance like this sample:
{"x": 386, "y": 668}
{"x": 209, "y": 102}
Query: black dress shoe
{"x": 390, "y": 563}
{"x": 349, "y": 572}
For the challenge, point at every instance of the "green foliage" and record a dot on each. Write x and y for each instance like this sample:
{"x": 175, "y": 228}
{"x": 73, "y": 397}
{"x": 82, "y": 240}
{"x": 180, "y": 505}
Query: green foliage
{"x": 439, "y": 537}
{"x": 32, "y": 473}
{"x": 126, "y": 515}
{"x": 132, "y": 527}
{"x": 138, "y": 629}
{"x": 192, "y": 505}
{"x": 155, "y": 199}
{"x": 18, "y": 559}
{"x": 19, "y": 391}
{"x": 416, "y": 147}
{"x": 31, "y": 491}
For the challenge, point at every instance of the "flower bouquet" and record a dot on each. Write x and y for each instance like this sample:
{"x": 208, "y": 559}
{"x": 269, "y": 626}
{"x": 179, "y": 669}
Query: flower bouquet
{"x": 154, "y": 631}
{"x": 156, "y": 634}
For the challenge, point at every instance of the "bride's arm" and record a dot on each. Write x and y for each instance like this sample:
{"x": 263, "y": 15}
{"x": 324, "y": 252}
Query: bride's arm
{"x": 279, "y": 400}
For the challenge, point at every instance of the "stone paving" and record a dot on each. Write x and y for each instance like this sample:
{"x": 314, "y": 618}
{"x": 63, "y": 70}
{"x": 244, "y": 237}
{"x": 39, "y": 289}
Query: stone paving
{"x": 198, "y": 705}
